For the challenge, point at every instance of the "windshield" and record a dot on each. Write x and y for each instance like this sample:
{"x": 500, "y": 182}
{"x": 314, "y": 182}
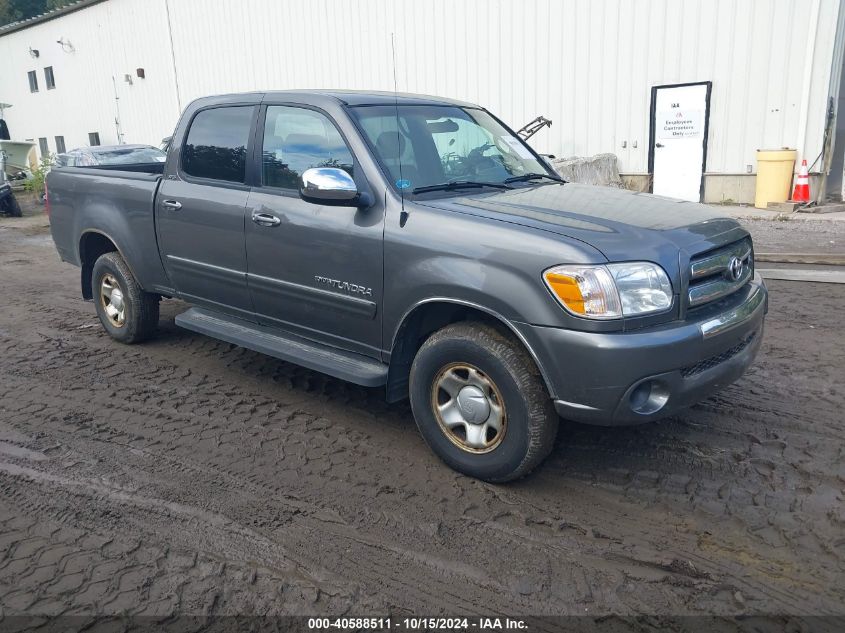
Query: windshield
{"x": 429, "y": 145}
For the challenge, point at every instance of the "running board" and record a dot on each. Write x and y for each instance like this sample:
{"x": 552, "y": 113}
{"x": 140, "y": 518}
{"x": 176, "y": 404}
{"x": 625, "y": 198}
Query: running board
{"x": 288, "y": 347}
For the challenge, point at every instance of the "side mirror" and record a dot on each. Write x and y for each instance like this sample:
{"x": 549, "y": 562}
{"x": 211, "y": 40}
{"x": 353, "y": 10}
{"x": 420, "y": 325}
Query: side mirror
{"x": 330, "y": 185}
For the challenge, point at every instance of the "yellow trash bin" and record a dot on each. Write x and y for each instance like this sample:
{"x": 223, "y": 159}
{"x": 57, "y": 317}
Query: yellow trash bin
{"x": 774, "y": 175}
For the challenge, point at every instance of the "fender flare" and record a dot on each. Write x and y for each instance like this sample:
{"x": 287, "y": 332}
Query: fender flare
{"x": 82, "y": 262}
{"x": 481, "y": 308}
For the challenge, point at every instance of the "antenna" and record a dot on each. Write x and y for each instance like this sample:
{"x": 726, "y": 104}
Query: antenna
{"x": 393, "y": 55}
{"x": 400, "y": 184}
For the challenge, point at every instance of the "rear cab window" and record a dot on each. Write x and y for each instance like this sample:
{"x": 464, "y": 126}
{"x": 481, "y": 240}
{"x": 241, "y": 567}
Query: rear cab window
{"x": 216, "y": 145}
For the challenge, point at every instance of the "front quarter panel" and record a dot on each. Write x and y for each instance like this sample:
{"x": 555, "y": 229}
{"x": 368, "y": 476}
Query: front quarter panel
{"x": 497, "y": 266}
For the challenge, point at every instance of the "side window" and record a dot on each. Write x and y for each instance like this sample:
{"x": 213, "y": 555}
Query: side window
{"x": 216, "y": 143}
{"x": 296, "y": 139}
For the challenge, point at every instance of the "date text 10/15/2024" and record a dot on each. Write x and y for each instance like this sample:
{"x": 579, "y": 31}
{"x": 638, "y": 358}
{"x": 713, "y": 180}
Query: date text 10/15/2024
{"x": 417, "y": 624}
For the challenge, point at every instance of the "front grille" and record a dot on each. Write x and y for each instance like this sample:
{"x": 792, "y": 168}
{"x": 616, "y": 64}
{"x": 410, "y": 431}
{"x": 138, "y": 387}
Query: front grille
{"x": 713, "y": 275}
{"x": 709, "y": 363}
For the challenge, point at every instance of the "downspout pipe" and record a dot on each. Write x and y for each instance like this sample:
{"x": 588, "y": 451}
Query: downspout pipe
{"x": 809, "y": 54}
{"x": 831, "y": 115}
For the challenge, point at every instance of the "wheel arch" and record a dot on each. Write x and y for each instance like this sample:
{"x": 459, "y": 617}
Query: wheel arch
{"x": 94, "y": 243}
{"x": 428, "y": 316}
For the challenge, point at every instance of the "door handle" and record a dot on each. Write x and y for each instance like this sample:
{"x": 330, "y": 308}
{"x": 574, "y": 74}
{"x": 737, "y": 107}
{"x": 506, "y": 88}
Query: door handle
{"x": 173, "y": 205}
{"x": 658, "y": 145}
{"x": 265, "y": 219}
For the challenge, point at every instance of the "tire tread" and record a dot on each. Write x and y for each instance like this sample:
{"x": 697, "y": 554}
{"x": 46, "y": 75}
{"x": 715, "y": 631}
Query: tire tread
{"x": 542, "y": 418}
{"x": 142, "y": 321}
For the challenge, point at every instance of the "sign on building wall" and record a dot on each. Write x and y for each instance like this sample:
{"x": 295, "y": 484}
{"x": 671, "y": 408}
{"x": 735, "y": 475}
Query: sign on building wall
{"x": 678, "y": 123}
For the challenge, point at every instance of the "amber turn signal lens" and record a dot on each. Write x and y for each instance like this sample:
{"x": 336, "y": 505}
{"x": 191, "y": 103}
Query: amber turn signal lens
{"x": 586, "y": 291}
{"x": 566, "y": 289}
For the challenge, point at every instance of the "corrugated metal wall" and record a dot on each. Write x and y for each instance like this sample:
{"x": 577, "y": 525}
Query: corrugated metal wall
{"x": 587, "y": 64}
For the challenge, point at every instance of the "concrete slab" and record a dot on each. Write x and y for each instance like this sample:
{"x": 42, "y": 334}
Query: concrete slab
{"x": 743, "y": 212}
{"x": 828, "y": 259}
{"x": 835, "y": 276}
{"x": 783, "y": 207}
{"x": 839, "y": 207}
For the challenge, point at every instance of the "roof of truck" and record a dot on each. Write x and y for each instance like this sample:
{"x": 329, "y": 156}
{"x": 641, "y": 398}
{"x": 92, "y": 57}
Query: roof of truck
{"x": 372, "y": 97}
{"x": 348, "y": 97}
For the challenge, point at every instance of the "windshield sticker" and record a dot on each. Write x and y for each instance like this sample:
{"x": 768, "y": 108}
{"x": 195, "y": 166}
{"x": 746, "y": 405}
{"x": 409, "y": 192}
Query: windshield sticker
{"x": 518, "y": 147}
{"x": 403, "y": 183}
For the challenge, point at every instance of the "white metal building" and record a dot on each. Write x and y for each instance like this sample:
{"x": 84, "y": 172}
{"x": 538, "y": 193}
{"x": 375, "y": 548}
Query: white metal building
{"x": 768, "y": 71}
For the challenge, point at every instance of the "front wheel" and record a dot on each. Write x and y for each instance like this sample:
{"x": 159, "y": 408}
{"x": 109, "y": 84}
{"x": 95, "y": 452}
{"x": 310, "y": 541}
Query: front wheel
{"x": 128, "y": 314}
{"x": 480, "y": 402}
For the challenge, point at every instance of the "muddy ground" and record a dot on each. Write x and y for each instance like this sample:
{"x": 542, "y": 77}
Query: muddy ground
{"x": 187, "y": 475}
{"x": 797, "y": 234}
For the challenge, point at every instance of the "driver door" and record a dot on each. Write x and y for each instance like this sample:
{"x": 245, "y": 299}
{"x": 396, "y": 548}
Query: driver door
{"x": 313, "y": 270}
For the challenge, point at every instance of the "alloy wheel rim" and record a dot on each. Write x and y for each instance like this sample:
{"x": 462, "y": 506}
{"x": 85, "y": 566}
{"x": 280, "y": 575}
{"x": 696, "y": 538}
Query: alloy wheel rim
{"x": 469, "y": 408}
{"x": 112, "y": 300}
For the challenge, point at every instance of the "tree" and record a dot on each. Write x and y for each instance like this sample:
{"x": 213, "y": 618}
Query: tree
{"x": 9, "y": 12}
{"x": 14, "y": 10}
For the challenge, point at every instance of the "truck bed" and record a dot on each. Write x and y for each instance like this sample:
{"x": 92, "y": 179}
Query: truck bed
{"x": 119, "y": 202}
{"x": 143, "y": 168}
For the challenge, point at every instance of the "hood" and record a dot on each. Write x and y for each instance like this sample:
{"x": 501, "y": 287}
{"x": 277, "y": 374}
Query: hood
{"x": 623, "y": 225}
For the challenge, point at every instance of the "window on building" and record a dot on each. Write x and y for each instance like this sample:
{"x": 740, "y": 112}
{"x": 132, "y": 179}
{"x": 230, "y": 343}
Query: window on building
{"x": 93, "y": 138}
{"x": 296, "y": 139}
{"x": 33, "y": 81}
{"x": 60, "y": 144}
{"x": 42, "y": 145}
{"x": 216, "y": 143}
{"x": 48, "y": 78}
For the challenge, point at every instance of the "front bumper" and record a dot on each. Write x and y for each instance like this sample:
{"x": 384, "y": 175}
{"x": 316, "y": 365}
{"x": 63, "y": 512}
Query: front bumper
{"x": 601, "y": 378}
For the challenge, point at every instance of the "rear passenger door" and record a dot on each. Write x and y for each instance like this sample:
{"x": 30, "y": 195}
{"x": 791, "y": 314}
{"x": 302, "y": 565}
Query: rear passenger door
{"x": 314, "y": 270}
{"x": 200, "y": 210}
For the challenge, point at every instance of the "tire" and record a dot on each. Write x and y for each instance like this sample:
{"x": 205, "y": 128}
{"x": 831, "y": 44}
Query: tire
{"x": 478, "y": 355}
{"x": 138, "y": 319}
{"x": 15, "y": 208}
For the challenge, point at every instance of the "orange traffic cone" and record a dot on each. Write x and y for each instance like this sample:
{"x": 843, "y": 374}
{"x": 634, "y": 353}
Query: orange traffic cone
{"x": 802, "y": 184}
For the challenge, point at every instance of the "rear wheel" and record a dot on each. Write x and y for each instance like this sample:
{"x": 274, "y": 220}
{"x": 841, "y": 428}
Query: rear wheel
{"x": 480, "y": 402}
{"x": 128, "y": 314}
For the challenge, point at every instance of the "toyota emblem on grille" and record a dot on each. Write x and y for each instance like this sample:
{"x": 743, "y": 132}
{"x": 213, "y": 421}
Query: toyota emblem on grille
{"x": 735, "y": 269}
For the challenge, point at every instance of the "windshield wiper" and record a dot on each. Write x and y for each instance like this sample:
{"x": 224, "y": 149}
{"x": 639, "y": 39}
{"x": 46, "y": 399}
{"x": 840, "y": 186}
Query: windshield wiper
{"x": 460, "y": 184}
{"x": 526, "y": 177}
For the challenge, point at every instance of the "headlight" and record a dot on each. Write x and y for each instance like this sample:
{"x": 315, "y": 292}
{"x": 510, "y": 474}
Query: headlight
{"x": 611, "y": 291}
{"x": 643, "y": 287}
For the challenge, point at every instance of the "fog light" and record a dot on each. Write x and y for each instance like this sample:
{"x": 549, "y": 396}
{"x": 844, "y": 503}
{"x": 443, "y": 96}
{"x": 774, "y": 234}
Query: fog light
{"x": 649, "y": 397}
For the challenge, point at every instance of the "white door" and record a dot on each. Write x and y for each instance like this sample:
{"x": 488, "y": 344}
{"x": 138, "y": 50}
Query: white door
{"x": 679, "y": 139}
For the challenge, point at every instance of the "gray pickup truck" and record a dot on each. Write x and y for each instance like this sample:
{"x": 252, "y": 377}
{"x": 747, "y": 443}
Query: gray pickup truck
{"x": 416, "y": 244}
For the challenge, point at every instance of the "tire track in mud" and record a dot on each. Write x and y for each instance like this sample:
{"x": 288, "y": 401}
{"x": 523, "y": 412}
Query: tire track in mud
{"x": 623, "y": 520}
{"x": 89, "y": 572}
{"x": 101, "y": 432}
{"x": 381, "y": 567}
{"x": 380, "y": 554}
